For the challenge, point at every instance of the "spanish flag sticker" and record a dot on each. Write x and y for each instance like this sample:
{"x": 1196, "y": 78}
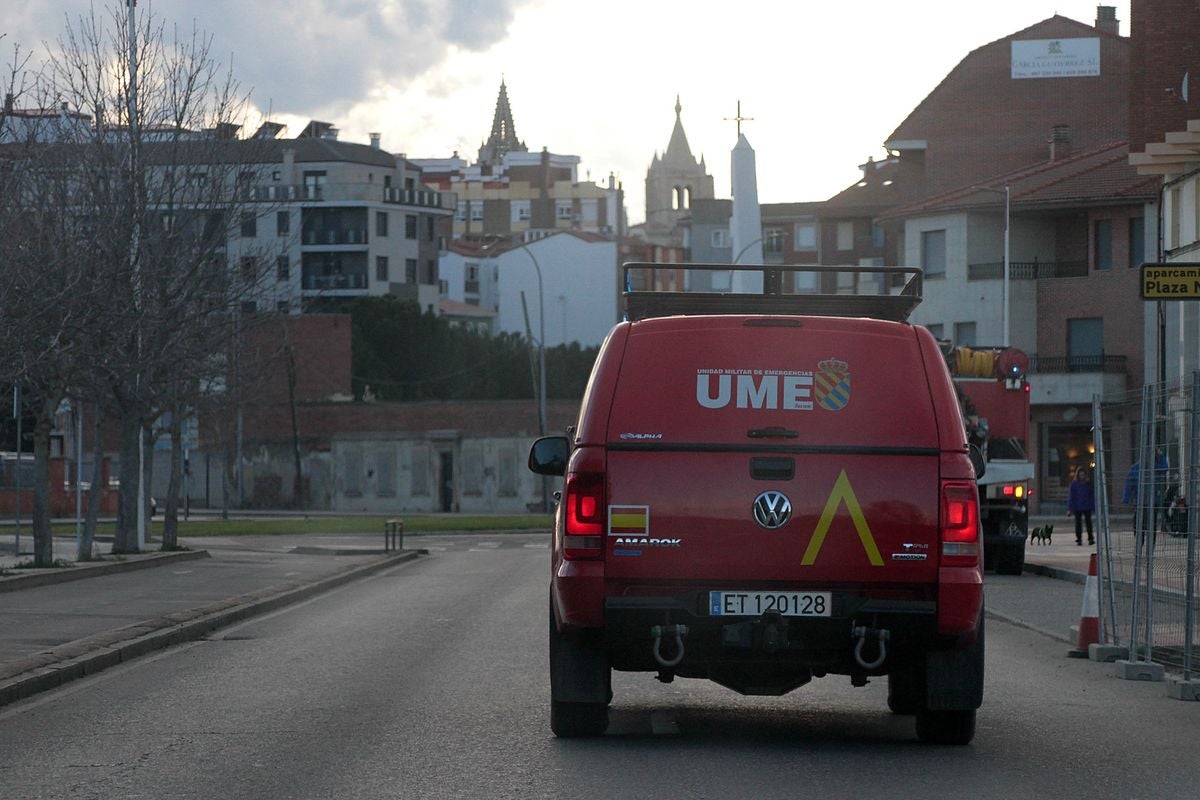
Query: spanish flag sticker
{"x": 627, "y": 520}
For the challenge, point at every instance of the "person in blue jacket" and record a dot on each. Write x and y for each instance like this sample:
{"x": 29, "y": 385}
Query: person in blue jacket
{"x": 1081, "y": 502}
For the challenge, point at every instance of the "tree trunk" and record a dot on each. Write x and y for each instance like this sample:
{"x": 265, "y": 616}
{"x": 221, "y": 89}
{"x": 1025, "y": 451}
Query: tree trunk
{"x": 148, "y": 438}
{"x": 170, "y": 531}
{"x": 126, "y": 540}
{"x": 43, "y": 535}
{"x": 96, "y": 494}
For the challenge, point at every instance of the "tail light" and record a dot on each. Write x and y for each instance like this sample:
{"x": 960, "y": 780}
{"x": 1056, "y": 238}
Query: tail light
{"x": 585, "y": 515}
{"x": 960, "y": 524}
{"x": 1014, "y": 490}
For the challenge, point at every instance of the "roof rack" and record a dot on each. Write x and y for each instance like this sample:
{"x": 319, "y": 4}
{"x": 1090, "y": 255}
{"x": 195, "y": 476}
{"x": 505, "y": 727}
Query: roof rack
{"x": 771, "y": 289}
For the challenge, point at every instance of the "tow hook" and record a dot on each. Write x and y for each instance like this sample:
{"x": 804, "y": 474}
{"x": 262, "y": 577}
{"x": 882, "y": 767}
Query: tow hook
{"x": 660, "y": 631}
{"x": 861, "y": 633}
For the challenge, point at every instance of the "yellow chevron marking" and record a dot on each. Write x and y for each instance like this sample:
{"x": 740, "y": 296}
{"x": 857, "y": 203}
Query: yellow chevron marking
{"x": 842, "y": 492}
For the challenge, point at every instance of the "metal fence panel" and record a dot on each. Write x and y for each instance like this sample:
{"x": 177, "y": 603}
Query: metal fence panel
{"x": 1147, "y": 542}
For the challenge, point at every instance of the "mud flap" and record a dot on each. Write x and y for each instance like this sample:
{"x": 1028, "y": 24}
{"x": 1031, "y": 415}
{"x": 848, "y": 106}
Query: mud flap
{"x": 579, "y": 669}
{"x": 954, "y": 678}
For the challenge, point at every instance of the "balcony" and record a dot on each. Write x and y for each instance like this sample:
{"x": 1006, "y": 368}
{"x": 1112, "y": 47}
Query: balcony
{"x": 1027, "y": 270}
{"x": 333, "y": 283}
{"x": 1075, "y": 380}
{"x": 353, "y": 192}
{"x": 425, "y": 198}
{"x": 320, "y": 237}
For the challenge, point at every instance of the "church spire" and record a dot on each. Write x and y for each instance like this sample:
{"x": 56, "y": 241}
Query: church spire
{"x": 678, "y": 151}
{"x": 503, "y": 138}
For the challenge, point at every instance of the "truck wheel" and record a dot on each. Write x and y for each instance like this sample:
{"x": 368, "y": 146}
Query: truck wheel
{"x": 580, "y": 683}
{"x": 946, "y": 727}
{"x": 1010, "y": 560}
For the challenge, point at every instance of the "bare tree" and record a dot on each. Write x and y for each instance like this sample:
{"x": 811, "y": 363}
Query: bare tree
{"x": 125, "y": 293}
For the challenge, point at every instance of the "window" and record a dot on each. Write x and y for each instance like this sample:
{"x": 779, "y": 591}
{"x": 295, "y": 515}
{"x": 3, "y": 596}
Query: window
{"x": 385, "y": 469}
{"x": 933, "y": 253}
{"x": 506, "y": 472}
{"x": 477, "y": 211}
{"x": 249, "y": 265}
{"x": 430, "y": 229}
{"x": 282, "y": 270}
{"x": 249, "y": 307}
{"x": 249, "y": 225}
{"x": 381, "y": 223}
{"x": 1137, "y": 241}
{"x": 429, "y": 277}
{"x": 410, "y": 226}
{"x": 520, "y": 211}
{"x": 773, "y": 241}
{"x": 1085, "y": 344}
{"x": 314, "y": 184}
{"x": 563, "y": 210}
{"x": 877, "y": 236}
{"x": 1102, "y": 244}
{"x": 805, "y": 236}
{"x": 418, "y": 470}
{"x": 964, "y": 334}
{"x": 460, "y": 211}
{"x": 352, "y": 471}
{"x": 845, "y": 236}
{"x": 282, "y": 306}
{"x": 472, "y": 469}
{"x": 471, "y": 278}
{"x": 381, "y": 268}
{"x": 720, "y": 238}
{"x": 283, "y": 223}
{"x": 410, "y": 270}
{"x": 937, "y": 329}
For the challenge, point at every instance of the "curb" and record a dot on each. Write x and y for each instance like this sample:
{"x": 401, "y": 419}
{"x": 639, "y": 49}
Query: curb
{"x": 91, "y": 569}
{"x": 89, "y": 656}
{"x": 1056, "y": 572}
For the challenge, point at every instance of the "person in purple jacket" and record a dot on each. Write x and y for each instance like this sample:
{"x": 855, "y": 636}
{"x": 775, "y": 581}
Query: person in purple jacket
{"x": 1081, "y": 502}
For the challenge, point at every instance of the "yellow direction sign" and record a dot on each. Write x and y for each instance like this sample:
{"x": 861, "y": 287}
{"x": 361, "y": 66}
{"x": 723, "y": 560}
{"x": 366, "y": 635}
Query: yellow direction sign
{"x": 1179, "y": 281}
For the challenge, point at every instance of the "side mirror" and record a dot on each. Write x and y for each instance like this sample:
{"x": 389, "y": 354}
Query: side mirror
{"x": 977, "y": 461}
{"x": 548, "y": 456}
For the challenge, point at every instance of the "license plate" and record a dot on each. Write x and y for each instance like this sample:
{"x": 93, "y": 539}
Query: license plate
{"x": 785, "y": 603}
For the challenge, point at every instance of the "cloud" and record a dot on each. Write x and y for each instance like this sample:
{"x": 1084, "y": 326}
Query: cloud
{"x": 305, "y": 56}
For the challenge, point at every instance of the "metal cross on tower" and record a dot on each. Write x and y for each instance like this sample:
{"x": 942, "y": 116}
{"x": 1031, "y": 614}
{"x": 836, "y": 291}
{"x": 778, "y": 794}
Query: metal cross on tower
{"x": 739, "y": 119}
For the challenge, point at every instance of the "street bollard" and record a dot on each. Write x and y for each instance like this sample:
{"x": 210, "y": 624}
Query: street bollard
{"x": 393, "y": 535}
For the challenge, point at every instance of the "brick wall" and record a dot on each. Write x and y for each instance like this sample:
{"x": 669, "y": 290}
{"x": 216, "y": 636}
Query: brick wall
{"x": 1165, "y": 48}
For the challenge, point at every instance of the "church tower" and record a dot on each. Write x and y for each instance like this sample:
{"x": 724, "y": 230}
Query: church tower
{"x": 673, "y": 182}
{"x": 503, "y": 138}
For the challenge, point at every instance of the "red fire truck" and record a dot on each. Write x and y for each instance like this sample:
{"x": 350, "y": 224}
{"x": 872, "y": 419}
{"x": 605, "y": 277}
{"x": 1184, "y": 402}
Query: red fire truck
{"x": 994, "y": 395}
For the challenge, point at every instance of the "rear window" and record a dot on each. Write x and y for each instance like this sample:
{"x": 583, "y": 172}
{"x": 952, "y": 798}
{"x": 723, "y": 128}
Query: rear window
{"x": 830, "y": 381}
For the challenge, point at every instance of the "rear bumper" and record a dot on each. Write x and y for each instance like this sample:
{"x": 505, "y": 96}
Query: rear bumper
{"x": 819, "y": 644}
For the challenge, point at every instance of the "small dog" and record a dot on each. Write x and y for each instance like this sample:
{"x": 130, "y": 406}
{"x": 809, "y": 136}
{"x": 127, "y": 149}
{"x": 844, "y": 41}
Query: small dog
{"x": 1041, "y": 534}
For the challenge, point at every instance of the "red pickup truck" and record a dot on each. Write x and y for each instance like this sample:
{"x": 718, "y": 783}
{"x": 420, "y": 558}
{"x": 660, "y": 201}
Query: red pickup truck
{"x": 765, "y": 488}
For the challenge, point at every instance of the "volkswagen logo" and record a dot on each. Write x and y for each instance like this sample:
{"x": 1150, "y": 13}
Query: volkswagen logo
{"x": 772, "y": 510}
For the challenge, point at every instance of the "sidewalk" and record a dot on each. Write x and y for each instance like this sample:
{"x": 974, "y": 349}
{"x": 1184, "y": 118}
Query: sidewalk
{"x": 61, "y": 624}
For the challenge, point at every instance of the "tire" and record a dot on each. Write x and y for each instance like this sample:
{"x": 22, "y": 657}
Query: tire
{"x": 576, "y": 720}
{"x": 1010, "y": 560}
{"x": 946, "y": 727}
{"x": 580, "y": 683}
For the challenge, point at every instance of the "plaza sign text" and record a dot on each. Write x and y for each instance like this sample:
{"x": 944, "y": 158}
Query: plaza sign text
{"x": 1180, "y": 281}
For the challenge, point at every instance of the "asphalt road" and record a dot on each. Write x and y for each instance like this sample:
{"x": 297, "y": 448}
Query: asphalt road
{"x": 429, "y": 681}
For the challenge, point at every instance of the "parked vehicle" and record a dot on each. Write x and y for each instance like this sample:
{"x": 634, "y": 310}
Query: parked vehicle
{"x": 764, "y": 488}
{"x": 994, "y": 395}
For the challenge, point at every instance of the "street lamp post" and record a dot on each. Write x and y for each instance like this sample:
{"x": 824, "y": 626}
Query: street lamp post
{"x": 1007, "y": 192}
{"x": 541, "y": 356}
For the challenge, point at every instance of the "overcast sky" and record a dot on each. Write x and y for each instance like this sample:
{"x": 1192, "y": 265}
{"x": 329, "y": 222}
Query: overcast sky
{"x": 825, "y": 82}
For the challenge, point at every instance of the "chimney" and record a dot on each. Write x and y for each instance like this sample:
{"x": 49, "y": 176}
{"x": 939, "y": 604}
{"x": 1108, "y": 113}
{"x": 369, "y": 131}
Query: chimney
{"x": 375, "y": 138}
{"x": 1060, "y": 142}
{"x": 1106, "y": 20}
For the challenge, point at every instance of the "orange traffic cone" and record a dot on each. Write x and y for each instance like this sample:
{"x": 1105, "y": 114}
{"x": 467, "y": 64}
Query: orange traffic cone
{"x": 1089, "y": 615}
